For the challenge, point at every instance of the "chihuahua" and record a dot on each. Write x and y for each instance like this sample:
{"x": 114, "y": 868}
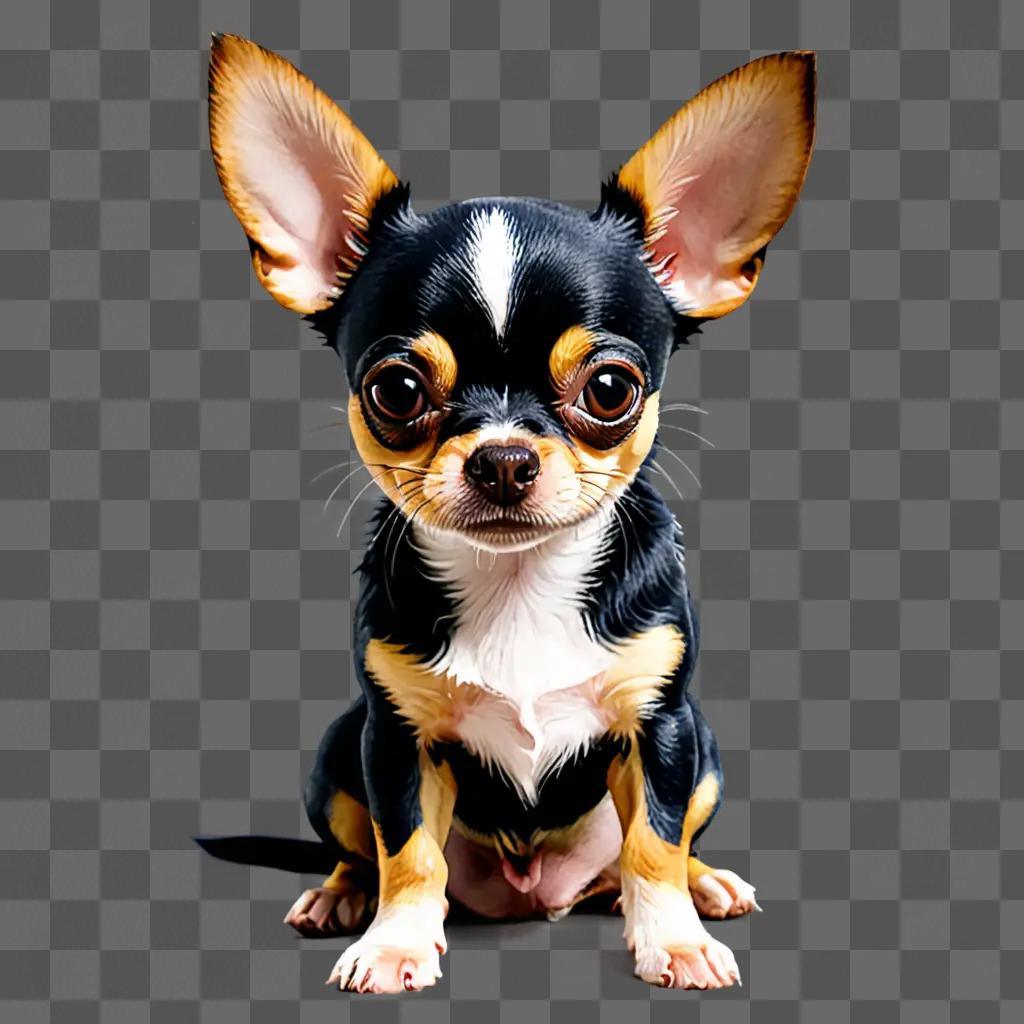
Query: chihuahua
{"x": 524, "y": 637}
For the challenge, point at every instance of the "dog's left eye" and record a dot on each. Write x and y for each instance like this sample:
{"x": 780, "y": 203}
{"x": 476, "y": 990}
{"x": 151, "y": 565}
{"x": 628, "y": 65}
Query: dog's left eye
{"x": 396, "y": 393}
{"x": 609, "y": 394}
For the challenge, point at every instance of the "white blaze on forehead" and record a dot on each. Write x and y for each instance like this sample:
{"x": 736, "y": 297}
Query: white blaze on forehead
{"x": 493, "y": 252}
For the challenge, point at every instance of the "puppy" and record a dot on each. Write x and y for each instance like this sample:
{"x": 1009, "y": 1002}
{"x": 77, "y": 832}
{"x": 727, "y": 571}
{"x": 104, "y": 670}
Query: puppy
{"x": 525, "y": 636}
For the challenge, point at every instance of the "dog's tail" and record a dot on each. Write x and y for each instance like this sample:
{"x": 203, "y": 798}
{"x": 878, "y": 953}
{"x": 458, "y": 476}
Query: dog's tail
{"x": 303, "y": 856}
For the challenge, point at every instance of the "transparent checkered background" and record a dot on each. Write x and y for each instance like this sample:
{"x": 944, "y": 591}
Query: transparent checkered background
{"x": 175, "y": 605}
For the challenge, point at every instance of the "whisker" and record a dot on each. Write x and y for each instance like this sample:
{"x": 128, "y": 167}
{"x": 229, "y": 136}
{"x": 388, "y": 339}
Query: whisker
{"x": 623, "y": 496}
{"x": 408, "y": 523}
{"x": 683, "y": 407}
{"x": 684, "y": 465}
{"x": 613, "y": 501}
{"x": 341, "y": 483}
{"x": 619, "y": 522}
{"x": 616, "y": 473}
{"x": 603, "y": 491}
{"x": 375, "y": 479}
{"x": 374, "y": 465}
{"x": 661, "y": 469}
{"x": 333, "y": 425}
{"x": 685, "y": 430}
{"x": 417, "y": 470}
{"x": 591, "y": 501}
{"x": 394, "y": 511}
{"x": 415, "y": 482}
{"x": 330, "y": 469}
{"x": 412, "y": 486}
{"x": 387, "y": 519}
{"x": 352, "y": 505}
{"x": 395, "y": 517}
{"x": 625, "y": 509}
{"x": 634, "y": 503}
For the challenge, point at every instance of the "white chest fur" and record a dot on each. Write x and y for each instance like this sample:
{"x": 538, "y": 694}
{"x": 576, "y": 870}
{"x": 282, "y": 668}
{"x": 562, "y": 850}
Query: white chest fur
{"x": 521, "y": 637}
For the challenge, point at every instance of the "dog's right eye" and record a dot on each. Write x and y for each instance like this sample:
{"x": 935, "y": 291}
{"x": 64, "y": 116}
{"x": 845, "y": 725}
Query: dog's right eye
{"x": 396, "y": 393}
{"x": 609, "y": 394}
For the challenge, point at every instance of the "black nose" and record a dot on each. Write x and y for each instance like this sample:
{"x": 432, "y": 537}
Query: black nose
{"x": 503, "y": 472}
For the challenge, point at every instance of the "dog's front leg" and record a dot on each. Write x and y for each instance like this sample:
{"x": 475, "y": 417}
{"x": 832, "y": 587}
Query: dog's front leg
{"x": 662, "y": 803}
{"x": 411, "y": 800}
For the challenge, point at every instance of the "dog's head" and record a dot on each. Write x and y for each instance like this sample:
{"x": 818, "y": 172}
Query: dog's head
{"x": 505, "y": 355}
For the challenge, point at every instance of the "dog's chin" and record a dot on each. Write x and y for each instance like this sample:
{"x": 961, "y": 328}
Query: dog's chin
{"x": 503, "y": 533}
{"x": 501, "y": 538}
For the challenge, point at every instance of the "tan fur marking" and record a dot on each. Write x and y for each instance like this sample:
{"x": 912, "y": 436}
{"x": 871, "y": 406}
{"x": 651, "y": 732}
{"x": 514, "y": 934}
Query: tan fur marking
{"x": 699, "y": 809}
{"x": 340, "y": 876}
{"x": 349, "y": 822}
{"x": 423, "y": 699}
{"x": 566, "y": 355}
{"x": 695, "y": 868}
{"x": 624, "y": 459}
{"x": 439, "y": 357}
{"x": 395, "y": 482}
{"x": 419, "y": 871}
{"x": 644, "y": 852}
{"x": 410, "y": 477}
{"x": 636, "y": 678}
{"x": 437, "y": 796}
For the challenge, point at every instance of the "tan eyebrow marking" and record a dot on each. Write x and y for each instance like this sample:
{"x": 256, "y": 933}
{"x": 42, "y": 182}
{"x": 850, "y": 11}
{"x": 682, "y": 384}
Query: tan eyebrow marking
{"x": 438, "y": 354}
{"x": 567, "y": 354}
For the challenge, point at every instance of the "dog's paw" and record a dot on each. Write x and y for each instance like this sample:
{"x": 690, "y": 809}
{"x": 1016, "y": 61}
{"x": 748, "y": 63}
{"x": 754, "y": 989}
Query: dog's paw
{"x": 367, "y": 966}
{"x": 704, "y": 963}
{"x": 325, "y": 911}
{"x": 671, "y": 946}
{"x": 719, "y": 894}
{"x": 400, "y": 952}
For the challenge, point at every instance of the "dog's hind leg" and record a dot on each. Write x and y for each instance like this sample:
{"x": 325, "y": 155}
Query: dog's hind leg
{"x": 336, "y": 804}
{"x": 716, "y": 892}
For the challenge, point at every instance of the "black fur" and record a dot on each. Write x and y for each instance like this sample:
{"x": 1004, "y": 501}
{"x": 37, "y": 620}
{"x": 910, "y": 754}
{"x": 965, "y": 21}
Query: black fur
{"x": 578, "y": 268}
{"x": 303, "y": 856}
{"x": 488, "y": 804}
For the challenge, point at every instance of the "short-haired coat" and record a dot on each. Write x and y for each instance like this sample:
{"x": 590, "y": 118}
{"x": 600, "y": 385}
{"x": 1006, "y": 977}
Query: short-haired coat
{"x": 524, "y": 636}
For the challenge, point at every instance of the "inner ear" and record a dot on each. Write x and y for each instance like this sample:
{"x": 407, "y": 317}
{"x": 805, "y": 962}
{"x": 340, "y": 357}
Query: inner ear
{"x": 719, "y": 179}
{"x": 299, "y": 175}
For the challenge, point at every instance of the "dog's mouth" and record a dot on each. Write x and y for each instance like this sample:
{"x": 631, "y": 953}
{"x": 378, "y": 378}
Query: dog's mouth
{"x": 509, "y": 529}
{"x": 506, "y": 530}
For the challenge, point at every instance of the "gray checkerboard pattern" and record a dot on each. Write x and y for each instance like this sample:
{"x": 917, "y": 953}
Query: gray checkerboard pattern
{"x": 175, "y": 602}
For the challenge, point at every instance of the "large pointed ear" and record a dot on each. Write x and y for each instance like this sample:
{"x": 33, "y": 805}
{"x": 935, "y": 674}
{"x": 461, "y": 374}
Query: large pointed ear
{"x": 299, "y": 175}
{"x": 719, "y": 178}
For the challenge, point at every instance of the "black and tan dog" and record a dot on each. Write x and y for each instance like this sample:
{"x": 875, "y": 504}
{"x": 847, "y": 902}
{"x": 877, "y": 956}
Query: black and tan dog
{"x": 525, "y": 636}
